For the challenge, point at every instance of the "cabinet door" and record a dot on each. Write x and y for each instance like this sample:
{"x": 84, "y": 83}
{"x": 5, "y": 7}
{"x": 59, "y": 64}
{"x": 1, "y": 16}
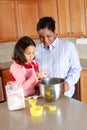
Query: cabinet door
{"x": 71, "y": 15}
{"x": 5, "y": 75}
{"x": 77, "y": 17}
{"x": 64, "y": 18}
{"x": 86, "y": 14}
{"x": 49, "y": 8}
{"x": 27, "y": 17}
{"x": 8, "y": 28}
{"x": 83, "y": 86}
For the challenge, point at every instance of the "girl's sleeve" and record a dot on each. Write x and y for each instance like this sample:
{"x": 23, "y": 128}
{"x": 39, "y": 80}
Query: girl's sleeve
{"x": 35, "y": 66}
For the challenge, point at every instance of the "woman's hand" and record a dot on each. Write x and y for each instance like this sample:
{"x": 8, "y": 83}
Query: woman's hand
{"x": 66, "y": 86}
{"x": 41, "y": 74}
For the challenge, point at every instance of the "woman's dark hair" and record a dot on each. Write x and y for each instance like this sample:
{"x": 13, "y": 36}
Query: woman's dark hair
{"x": 46, "y": 22}
{"x": 19, "y": 48}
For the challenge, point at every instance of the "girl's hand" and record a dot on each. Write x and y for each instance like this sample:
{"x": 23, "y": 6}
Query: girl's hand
{"x": 41, "y": 74}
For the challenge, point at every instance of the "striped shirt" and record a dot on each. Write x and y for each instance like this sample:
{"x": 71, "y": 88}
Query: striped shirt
{"x": 60, "y": 60}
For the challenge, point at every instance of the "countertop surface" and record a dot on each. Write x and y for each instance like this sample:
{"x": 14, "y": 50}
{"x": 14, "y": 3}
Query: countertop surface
{"x": 69, "y": 115}
{"x": 6, "y": 65}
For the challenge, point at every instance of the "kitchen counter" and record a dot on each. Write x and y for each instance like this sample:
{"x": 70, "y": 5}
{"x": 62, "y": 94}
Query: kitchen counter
{"x": 70, "y": 115}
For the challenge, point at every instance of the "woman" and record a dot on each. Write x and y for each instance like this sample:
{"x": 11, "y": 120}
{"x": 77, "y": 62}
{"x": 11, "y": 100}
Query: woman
{"x": 58, "y": 57}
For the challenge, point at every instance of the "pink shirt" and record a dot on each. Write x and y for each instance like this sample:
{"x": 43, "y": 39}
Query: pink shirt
{"x": 25, "y": 76}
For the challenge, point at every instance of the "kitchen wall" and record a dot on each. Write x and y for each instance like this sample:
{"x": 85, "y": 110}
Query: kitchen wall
{"x": 81, "y": 48}
{"x": 82, "y": 51}
{"x": 6, "y": 50}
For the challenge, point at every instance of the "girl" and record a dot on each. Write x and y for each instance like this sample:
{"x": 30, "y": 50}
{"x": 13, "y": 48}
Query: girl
{"x": 24, "y": 69}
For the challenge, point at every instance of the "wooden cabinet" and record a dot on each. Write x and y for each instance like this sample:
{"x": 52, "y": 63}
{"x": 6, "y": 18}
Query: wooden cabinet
{"x": 49, "y": 8}
{"x": 64, "y": 18}
{"x": 83, "y": 86}
{"x": 27, "y": 17}
{"x": 71, "y": 14}
{"x": 68, "y": 14}
{"x": 5, "y": 76}
{"x": 8, "y": 30}
{"x": 77, "y": 17}
{"x": 20, "y": 17}
{"x": 86, "y": 14}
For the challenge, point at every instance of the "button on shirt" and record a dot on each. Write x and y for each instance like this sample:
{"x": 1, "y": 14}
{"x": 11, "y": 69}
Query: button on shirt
{"x": 60, "y": 60}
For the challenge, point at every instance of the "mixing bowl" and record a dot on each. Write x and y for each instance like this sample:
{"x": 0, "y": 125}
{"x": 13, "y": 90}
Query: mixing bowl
{"x": 51, "y": 88}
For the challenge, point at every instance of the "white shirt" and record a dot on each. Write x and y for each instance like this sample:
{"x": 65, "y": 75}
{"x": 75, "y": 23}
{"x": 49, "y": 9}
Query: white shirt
{"x": 60, "y": 60}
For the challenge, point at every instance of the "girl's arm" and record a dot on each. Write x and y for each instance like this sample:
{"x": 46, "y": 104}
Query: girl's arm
{"x": 19, "y": 76}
